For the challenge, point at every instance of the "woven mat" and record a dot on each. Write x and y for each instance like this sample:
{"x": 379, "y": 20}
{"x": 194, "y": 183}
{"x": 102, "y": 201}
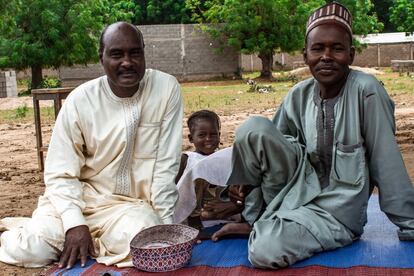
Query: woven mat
{"x": 377, "y": 253}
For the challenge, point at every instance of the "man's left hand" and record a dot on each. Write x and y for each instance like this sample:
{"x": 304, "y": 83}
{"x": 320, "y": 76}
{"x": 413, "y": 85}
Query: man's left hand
{"x": 78, "y": 243}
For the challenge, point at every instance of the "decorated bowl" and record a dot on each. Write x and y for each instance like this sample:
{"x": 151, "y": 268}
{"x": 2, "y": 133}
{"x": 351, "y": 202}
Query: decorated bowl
{"x": 163, "y": 247}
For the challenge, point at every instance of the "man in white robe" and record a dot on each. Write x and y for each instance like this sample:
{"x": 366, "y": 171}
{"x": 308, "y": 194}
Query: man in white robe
{"x": 111, "y": 163}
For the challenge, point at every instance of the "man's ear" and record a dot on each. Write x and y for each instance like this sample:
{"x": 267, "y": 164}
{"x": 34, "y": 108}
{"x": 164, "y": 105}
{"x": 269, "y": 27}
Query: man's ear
{"x": 305, "y": 56}
{"x": 352, "y": 55}
{"x": 190, "y": 138}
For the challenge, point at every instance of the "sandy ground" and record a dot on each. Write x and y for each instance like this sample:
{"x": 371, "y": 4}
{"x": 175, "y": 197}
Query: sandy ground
{"x": 21, "y": 182}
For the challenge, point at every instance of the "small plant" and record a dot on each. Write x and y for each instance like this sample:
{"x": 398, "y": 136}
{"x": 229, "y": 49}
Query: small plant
{"x": 21, "y": 112}
{"x": 24, "y": 93}
{"x": 47, "y": 82}
{"x": 23, "y": 82}
{"x": 283, "y": 78}
{"x": 24, "y": 87}
{"x": 50, "y": 82}
{"x": 255, "y": 87}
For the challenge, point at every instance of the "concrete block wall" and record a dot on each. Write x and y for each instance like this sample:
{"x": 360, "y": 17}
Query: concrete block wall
{"x": 49, "y": 72}
{"x": 289, "y": 60}
{"x": 184, "y": 51}
{"x": 375, "y": 55}
{"x": 8, "y": 84}
{"x": 77, "y": 74}
{"x": 369, "y": 57}
{"x": 180, "y": 49}
{"x": 390, "y": 52}
{"x": 281, "y": 61}
{"x": 402, "y": 65}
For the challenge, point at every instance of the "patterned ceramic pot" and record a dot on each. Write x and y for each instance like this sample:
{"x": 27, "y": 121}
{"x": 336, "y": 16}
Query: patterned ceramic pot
{"x": 163, "y": 247}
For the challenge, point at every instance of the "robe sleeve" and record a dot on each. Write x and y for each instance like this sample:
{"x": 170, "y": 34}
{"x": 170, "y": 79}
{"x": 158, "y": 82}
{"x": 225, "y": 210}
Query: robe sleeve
{"x": 386, "y": 166}
{"x": 284, "y": 123}
{"x": 164, "y": 193}
{"x": 281, "y": 120}
{"x": 64, "y": 161}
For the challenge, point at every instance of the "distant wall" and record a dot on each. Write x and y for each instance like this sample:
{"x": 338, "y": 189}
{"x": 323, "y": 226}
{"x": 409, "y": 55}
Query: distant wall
{"x": 179, "y": 49}
{"x": 49, "y": 72}
{"x": 8, "y": 84}
{"x": 375, "y": 55}
{"x": 185, "y": 52}
{"x": 402, "y": 65}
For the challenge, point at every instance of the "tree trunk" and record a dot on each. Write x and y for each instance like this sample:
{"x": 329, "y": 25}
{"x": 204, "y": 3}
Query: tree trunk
{"x": 267, "y": 65}
{"x": 36, "y": 76}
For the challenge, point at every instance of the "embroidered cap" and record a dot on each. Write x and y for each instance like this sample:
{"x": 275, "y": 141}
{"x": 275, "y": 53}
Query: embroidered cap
{"x": 333, "y": 13}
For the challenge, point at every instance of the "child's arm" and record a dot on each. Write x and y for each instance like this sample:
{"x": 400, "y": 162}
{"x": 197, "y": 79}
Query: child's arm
{"x": 183, "y": 164}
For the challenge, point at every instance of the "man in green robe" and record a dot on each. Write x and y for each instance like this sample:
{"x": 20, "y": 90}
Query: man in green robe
{"x": 315, "y": 165}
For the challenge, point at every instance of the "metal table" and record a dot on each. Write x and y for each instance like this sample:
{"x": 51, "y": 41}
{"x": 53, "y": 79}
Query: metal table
{"x": 55, "y": 94}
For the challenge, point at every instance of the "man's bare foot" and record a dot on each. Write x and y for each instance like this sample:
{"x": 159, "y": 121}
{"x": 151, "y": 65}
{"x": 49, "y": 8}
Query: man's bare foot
{"x": 241, "y": 228}
{"x": 220, "y": 210}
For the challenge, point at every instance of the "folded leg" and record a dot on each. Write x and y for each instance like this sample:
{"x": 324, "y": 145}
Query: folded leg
{"x": 293, "y": 235}
{"x": 37, "y": 242}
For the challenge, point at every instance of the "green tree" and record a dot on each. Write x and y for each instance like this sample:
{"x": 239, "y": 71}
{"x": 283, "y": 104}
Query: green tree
{"x": 50, "y": 33}
{"x": 382, "y": 9}
{"x": 263, "y": 26}
{"x": 197, "y": 8}
{"x": 161, "y": 12}
{"x": 258, "y": 26}
{"x": 364, "y": 18}
{"x": 402, "y": 15}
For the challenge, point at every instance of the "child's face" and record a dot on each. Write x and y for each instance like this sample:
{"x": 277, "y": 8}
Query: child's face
{"x": 205, "y": 136}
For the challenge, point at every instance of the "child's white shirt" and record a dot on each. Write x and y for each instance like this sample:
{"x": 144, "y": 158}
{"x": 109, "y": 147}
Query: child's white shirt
{"x": 214, "y": 168}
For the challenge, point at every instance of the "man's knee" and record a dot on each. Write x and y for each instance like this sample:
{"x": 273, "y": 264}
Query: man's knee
{"x": 26, "y": 249}
{"x": 268, "y": 252}
{"x": 119, "y": 232}
{"x": 276, "y": 244}
{"x": 253, "y": 125}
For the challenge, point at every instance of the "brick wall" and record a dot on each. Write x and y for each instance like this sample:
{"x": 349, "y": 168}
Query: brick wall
{"x": 402, "y": 65}
{"x": 181, "y": 50}
{"x": 75, "y": 75}
{"x": 368, "y": 57}
{"x": 184, "y": 51}
{"x": 390, "y": 52}
{"x": 375, "y": 55}
{"x": 8, "y": 84}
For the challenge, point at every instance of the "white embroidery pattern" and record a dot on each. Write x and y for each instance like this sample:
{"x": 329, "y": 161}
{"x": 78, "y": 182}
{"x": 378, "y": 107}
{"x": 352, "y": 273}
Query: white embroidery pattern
{"x": 123, "y": 176}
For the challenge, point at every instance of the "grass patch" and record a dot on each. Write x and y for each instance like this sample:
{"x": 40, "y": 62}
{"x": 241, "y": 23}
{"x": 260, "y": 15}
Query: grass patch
{"x": 24, "y": 85}
{"x": 229, "y": 97}
{"x": 9, "y": 116}
{"x": 398, "y": 84}
{"x": 21, "y": 112}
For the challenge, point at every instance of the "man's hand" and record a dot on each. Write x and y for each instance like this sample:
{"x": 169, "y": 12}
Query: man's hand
{"x": 78, "y": 243}
{"x": 238, "y": 193}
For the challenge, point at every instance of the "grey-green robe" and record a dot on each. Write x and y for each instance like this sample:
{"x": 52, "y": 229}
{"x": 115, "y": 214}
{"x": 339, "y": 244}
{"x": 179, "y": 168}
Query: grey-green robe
{"x": 286, "y": 170}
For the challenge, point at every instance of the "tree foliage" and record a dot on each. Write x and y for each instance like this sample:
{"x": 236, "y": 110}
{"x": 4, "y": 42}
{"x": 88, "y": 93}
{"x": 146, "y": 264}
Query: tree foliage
{"x": 382, "y": 10}
{"x": 364, "y": 19}
{"x": 256, "y": 26}
{"x": 402, "y": 15}
{"x": 161, "y": 12}
{"x": 263, "y": 26}
{"x": 50, "y": 33}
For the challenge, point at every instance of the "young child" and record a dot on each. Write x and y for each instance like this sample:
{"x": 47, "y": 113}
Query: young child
{"x": 204, "y": 127}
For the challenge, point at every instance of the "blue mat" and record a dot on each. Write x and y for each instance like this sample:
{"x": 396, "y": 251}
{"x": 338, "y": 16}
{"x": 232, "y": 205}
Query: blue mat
{"x": 378, "y": 247}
